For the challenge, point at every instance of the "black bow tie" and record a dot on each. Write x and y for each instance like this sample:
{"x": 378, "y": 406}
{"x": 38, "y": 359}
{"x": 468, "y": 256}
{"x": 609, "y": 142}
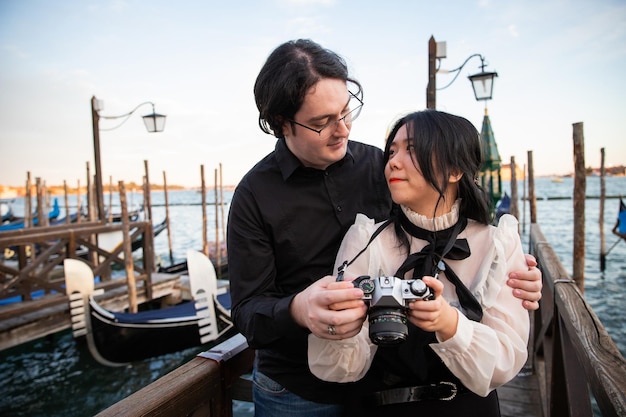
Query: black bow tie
{"x": 442, "y": 245}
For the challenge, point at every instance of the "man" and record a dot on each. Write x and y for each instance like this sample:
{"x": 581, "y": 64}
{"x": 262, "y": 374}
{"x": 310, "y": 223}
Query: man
{"x": 286, "y": 221}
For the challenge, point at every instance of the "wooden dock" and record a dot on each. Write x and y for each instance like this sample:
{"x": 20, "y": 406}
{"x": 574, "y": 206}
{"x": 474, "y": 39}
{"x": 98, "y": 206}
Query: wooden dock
{"x": 521, "y": 397}
{"x": 571, "y": 359}
{"x": 40, "y": 270}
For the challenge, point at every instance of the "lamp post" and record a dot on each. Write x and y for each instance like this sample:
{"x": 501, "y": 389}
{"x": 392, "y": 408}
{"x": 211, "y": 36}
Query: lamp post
{"x": 154, "y": 123}
{"x": 482, "y": 84}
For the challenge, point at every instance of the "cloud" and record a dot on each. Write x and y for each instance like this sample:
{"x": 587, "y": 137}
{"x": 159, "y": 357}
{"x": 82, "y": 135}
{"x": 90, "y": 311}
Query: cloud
{"x": 513, "y": 31}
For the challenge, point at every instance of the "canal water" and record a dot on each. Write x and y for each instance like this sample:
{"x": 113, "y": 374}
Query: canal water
{"x": 55, "y": 376}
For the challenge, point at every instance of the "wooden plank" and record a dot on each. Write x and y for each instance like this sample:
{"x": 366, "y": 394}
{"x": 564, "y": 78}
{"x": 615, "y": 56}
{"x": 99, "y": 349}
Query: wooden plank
{"x": 521, "y": 397}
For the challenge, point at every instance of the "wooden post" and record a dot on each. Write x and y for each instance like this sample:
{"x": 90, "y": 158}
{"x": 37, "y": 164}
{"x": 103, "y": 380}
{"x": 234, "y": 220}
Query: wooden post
{"x": 580, "y": 187}
{"x": 79, "y": 208}
{"x": 205, "y": 245}
{"x": 28, "y": 207}
{"x": 531, "y": 189}
{"x": 222, "y": 206}
{"x": 128, "y": 253}
{"x": 40, "y": 203}
{"x": 603, "y": 251}
{"x": 45, "y": 198}
{"x": 514, "y": 205}
{"x": 167, "y": 219}
{"x": 110, "y": 198}
{"x": 147, "y": 196}
{"x": 91, "y": 216}
{"x": 68, "y": 217}
{"x": 431, "y": 88}
{"x": 218, "y": 252}
{"x": 90, "y": 209}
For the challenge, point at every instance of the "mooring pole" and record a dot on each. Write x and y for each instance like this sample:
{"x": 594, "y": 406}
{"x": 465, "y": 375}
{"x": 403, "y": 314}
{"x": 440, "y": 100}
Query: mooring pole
{"x": 531, "y": 189}
{"x": 580, "y": 186}
{"x": 128, "y": 252}
{"x": 205, "y": 243}
{"x": 167, "y": 219}
{"x": 603, "y": 252}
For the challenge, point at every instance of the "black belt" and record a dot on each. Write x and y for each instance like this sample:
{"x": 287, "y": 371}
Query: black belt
{"x": 443, "y": 391}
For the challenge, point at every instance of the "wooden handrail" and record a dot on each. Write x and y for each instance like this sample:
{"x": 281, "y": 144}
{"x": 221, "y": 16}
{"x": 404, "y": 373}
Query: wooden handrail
{"x": 201, "y": 387}
{"x": 576, "y": 348}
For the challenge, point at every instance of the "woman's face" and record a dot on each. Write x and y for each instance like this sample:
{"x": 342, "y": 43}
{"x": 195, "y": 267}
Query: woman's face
{"x": 325, "y": 102}
{"x": 406, "y": 183}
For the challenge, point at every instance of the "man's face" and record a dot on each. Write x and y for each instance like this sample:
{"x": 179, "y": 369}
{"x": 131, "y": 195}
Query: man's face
{"x": 324, "y": 104}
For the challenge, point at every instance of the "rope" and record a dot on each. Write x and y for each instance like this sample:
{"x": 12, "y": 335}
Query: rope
{"x": 614, "y": 244}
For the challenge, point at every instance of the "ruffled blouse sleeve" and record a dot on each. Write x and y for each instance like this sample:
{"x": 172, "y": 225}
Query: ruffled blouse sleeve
{"x": 490, "y": 353}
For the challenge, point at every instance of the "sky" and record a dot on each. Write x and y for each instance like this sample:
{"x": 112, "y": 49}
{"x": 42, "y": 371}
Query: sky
{"x": 558, "y": 63}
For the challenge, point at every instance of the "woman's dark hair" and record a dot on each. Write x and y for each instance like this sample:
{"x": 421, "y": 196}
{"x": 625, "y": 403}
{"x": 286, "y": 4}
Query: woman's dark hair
{"x": 444, "y": 145}
{"x": 289, "y": 72}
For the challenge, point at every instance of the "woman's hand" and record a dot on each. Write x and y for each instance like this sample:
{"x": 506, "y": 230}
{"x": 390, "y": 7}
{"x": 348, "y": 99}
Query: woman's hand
{"x": 527, "y": 284}
{"x": 434, "y": 315}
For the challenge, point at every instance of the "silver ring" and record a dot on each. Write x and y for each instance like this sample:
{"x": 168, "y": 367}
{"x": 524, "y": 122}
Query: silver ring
{"x": 331, "y": 330}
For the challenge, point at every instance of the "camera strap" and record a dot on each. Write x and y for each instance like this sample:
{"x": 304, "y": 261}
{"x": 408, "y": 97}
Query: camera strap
{"x": 346, "y": 264}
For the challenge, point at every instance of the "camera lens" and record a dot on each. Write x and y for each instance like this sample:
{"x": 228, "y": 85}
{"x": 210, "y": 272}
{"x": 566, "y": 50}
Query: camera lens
{"x": 387, "y": 326}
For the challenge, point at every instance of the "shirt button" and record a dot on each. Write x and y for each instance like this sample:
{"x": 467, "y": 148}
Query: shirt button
{"x": 339, "y": 208}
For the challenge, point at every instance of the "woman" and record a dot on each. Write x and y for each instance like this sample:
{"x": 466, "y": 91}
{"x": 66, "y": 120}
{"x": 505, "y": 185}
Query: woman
{"x": 469, "y": 339}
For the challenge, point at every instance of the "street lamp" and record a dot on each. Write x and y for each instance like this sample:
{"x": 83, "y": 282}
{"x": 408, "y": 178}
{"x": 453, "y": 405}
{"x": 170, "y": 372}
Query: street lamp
{"x": 482, "y": 82}
{"x": 154, "y": 123}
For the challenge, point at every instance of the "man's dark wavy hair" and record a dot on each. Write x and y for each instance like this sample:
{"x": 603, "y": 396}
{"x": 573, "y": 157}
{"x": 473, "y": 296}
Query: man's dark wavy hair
{"x": 289, "y": 72}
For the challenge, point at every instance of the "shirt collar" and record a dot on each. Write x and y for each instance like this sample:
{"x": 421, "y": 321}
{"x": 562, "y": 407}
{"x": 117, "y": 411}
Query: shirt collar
{"x": 288, "y": 163}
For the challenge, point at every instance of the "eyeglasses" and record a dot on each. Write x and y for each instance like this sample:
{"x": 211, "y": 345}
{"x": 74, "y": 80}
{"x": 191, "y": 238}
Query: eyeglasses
{"x": 355, "y": 103}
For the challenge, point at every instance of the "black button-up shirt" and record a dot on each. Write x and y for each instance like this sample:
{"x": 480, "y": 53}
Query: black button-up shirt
{"x": 285, "y": 225}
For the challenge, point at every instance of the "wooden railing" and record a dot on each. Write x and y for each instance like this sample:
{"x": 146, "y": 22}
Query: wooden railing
{"x": 571, "y": 349}
{"x": 571, "y": 346}
{"x": 39, "y": 250}
{"x": 204, "y": 386}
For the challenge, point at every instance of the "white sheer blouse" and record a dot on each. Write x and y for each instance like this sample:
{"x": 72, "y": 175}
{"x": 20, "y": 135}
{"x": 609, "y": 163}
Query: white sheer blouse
{"x": 482, "y": 355}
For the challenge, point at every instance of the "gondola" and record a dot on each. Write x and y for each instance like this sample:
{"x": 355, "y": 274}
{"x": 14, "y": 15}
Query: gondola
{"x": 18, "y": 222}
{"x": 181, "y": 267}
{"x": 6, "y": 212}
{"x": 116, "y": 338}
{"x": 504, "y": 206}
{"x": 620, "y": 225}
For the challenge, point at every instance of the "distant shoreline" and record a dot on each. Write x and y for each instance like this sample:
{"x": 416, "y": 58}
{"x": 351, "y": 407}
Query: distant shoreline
{"x": 7, "y": 192}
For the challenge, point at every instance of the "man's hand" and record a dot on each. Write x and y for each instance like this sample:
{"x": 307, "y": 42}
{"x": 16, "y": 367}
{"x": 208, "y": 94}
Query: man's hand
{"x": 327, "y": 303}
{"x": 527, "y": 284}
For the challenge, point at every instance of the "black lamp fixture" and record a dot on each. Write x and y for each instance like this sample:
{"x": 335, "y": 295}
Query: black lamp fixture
{"x": 154, "y": 122}
{"x": 482, "y": 83}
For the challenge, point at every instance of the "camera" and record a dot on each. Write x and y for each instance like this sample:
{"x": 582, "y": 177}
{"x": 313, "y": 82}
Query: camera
{"x": 387, "y": 299}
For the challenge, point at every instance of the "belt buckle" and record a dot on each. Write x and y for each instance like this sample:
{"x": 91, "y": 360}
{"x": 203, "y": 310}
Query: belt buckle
{"x": 453, "y": 390}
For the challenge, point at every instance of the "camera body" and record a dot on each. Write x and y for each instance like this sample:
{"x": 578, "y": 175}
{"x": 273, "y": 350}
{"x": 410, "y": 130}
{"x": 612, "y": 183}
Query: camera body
{"x": 387, "y": 299}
